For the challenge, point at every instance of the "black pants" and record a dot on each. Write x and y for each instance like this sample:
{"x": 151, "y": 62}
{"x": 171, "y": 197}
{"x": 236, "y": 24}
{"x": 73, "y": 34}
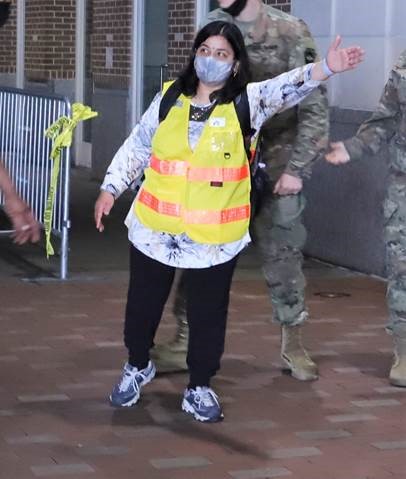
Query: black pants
{"x": 207, "y": 292}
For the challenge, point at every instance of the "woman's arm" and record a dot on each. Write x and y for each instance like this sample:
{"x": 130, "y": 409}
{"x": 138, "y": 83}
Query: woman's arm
{"x": 133, "y": 156}
{"x": 128, "y": 163}
{"x": 286, "y": 90}
{"x": 25, "y": 226}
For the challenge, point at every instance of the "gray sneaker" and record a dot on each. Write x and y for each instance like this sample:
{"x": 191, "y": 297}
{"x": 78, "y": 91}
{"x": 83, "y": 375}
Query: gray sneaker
{"x": 127, "y": 391}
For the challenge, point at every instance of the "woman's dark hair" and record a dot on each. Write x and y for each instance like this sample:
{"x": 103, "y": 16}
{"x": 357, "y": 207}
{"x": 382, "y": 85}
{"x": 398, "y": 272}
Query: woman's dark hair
{"x": 235, "y": 84}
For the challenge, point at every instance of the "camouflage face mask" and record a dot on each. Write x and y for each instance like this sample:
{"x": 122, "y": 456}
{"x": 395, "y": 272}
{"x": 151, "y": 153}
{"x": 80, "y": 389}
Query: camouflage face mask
{"x": 236, "y": 8}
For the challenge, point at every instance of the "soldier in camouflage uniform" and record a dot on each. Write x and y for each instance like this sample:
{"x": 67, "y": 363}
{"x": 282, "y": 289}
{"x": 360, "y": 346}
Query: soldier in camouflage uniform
{"x": 292, "y": 141}
{"x": 387, "y": 125}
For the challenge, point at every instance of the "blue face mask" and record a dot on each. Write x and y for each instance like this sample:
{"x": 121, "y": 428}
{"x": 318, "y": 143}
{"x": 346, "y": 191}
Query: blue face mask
{"x": 211, "y": 71}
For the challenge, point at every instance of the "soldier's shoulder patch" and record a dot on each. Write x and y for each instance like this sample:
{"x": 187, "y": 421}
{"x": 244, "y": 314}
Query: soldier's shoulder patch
{"x": 310, "y": 55}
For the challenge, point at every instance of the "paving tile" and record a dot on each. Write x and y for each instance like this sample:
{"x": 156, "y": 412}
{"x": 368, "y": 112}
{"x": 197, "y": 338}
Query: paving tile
{"x": 352, "y": 370}
{"x": 289, "y": 452}
{"x": 31, "y": 349}
{"x": 106, "y": 373}
{"x": 388, "y": 445}
{"x": 389, "y": 390}
{"x": 351, "y": 417}
{"x": 325, "y": 320}
{"x": 141, "y": 432}
{"x": 70, "y": 315}
{"x": 323, "y": 352}
{"x": 38, "y": 439}
{"x": 103, "y": 450}
{"x": 28, "y": 398}
{"x": 109, "y": 344}
{"x": 9, "y": 358}
{"x": 66, "y": 337}
{"x": 260, "y": 473}
{"x": 377, "y": 403}
{"x": 332, "y": 344}
{"x": 306, "y": 394}
{"x": 18, "y": 309}
{"x": 260, "y": 425}
{"x": 51, "y": 365}
{"x": 360, "y": 334}
{"x": 324, "y": 434}
{"x": 179, "y": 462}
{"x": 239, "y": 357}
{"x": 372, "y": 327}
{"x": 61, "y": 469}
{"x": 80, "y": 386}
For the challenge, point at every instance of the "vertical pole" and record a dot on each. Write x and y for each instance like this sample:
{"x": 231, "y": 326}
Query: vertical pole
{"x": 20, "y": 57}
{"x": 201, "y": 11}
{"x": 80, "y": 72}
{"x": 137, "y": 62}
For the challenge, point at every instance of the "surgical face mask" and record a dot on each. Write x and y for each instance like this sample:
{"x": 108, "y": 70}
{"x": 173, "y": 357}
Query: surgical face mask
{"x": 211, "y": 71}
{"x": 236, "y": 8}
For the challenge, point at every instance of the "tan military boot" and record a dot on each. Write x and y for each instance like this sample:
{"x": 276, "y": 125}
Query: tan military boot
{"x": 171, "y": 357}
{"x": 397, "y": 375}
{"x": 295, "y": 356}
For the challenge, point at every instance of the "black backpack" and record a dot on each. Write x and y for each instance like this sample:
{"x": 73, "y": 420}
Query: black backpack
{"x": 259, "y": 177}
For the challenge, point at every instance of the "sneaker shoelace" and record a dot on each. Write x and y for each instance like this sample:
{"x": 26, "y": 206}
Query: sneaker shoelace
{"x": 206, "y": 397}
{"x": 128, "y": 378}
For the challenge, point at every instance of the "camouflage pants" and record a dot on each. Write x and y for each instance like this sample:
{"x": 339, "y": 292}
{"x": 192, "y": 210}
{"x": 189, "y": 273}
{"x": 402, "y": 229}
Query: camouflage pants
{"x": 395, "y": 240}
{"x": 280, "y": 235}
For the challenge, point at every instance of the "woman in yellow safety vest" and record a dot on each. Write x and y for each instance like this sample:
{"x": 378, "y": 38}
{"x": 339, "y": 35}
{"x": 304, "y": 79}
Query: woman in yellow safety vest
{"x": 193, "y": 208}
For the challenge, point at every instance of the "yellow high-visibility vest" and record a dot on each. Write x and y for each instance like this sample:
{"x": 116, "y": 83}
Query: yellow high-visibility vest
{"x": 204, "y": 193}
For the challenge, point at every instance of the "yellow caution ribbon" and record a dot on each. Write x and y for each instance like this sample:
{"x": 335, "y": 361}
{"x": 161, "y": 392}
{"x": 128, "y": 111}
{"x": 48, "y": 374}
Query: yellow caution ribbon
{"x": 61, "y": 134}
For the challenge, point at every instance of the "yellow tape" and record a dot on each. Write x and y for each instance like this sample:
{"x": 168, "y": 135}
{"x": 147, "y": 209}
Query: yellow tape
{"x": 61, "y": 134}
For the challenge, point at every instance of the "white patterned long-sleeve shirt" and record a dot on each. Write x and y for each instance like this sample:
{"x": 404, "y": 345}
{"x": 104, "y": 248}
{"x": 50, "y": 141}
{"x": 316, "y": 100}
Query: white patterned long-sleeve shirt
{"x": 265, "y": 99}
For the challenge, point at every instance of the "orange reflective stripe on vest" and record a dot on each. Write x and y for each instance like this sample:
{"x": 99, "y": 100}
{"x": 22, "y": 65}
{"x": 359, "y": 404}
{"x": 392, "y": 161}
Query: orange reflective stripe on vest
{"x": 163, "y": 207}
{"x": 166, "y": 167}
{"x": 182, "y": 168}
{"x": 207, "y": 217}
{"x": 217, "y": 217}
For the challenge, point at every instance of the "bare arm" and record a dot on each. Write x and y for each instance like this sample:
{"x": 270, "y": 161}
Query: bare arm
{"x": 25, "y": 226}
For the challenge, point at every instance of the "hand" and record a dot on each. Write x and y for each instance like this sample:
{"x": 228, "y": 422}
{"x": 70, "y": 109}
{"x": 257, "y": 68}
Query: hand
{"x": 338, "y": 155}
{"x": 343, "y": 59}
{"x": 288, "y": 185}
{"x": 26, "y": 228}
{"x": 103, "y": 206}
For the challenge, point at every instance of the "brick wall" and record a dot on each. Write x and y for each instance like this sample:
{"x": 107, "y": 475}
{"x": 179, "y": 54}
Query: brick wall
{"x": 50, "y": 39}
{"x": 7, "y": 43}
{"x": 181, "y": 30}
{"x": 111, "y": 29}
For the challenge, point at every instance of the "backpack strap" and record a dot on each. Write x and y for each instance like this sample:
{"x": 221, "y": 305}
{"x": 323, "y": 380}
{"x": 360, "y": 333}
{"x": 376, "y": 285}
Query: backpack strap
{"x": 242, "y": 108}
{"x": 169, "y": 97}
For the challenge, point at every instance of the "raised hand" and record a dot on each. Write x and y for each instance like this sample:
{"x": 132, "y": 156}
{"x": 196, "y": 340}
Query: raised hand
{"x": 343, "y": 59}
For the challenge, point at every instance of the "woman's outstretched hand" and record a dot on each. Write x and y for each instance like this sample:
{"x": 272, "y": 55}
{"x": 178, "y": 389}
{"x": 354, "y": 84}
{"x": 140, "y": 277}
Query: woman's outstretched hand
{"x": 343, "y": 59}
{"x": 338, "y": 60}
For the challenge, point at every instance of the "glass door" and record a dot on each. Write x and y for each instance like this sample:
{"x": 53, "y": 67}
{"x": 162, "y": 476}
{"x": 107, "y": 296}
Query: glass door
{"x": 155, "y": 48}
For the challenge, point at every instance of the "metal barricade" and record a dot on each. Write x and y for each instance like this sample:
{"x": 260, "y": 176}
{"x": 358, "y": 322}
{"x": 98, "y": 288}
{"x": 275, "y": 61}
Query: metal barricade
{"x": 25, "y": 151}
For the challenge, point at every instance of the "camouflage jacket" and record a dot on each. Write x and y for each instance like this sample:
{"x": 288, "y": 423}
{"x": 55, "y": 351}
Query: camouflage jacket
{"x": 277, "y": 42}
{"x": 387, "y": 125}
